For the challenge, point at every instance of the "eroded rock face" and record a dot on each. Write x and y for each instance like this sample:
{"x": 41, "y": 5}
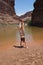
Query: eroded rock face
{"x": 7, "y": 7}
{"x": 37, "y": 16}
{"x": 26, "y": 17}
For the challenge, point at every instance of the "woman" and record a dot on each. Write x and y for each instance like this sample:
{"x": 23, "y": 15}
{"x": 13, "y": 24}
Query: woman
{"x": 22, "y": 33}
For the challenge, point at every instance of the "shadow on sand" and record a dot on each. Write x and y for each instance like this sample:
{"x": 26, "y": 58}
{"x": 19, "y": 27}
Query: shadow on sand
{"x": 18, "y": 46}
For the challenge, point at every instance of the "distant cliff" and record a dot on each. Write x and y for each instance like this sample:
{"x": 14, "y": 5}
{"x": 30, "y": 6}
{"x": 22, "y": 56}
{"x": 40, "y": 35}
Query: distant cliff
{"x": 27, "y": 16}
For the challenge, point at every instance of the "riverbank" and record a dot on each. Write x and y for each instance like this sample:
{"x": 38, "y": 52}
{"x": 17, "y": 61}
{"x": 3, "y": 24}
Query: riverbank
{"x": 14, "y": 55}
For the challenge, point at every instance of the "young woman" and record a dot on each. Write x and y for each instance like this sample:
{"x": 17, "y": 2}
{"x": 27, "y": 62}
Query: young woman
{"x": 22, "y": 33}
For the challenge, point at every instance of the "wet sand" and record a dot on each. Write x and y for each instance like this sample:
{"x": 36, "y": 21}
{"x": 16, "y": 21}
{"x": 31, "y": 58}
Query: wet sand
{"x": 15, "y": 55}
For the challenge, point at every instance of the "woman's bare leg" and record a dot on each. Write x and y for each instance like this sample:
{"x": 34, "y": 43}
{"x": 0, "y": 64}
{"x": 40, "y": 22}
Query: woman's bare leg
{"x": 25, "y": 44}
{"x": 20, "y": 43}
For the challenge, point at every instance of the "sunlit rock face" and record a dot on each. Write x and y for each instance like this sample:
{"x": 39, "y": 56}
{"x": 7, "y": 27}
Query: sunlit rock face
{"x": 37, "y": 16}
{"x": 7, "y": 7}
{"x": 26, "y": 17}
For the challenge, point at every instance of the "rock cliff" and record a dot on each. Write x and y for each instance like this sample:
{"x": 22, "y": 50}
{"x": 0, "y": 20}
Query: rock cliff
{"x": 37, "y": 16}
{"x": 7, "y": 7}
{"x": 27, "y": 16}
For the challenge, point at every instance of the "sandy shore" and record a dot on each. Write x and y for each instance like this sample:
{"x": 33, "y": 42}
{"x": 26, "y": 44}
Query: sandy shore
{"x": 15, "y": 55}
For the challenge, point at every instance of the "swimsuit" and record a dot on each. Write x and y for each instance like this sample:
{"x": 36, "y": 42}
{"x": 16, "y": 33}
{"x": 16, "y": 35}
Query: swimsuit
{"x": 22, "y": 35}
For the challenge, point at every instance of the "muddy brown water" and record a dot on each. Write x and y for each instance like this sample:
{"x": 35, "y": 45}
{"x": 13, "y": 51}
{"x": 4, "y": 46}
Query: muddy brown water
{"x": 9, "y": 35}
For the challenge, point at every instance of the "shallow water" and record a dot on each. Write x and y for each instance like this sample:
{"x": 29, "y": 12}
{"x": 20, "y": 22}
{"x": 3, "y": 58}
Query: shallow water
{"x": 9, "y": 34}
{"x": 35, "y": 33}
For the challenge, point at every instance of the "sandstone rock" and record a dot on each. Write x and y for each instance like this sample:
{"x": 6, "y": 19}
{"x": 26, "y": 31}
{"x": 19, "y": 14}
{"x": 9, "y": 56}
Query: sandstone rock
{"x": 33, "y": 63}
{"x": 7, "y": 19}
{"x": 27, "y": 16}
{"x": 7, "y": 7}
{"x": 37, "y": 16}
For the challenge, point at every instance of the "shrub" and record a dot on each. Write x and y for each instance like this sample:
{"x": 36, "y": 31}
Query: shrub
{"x": 29, "y": 23}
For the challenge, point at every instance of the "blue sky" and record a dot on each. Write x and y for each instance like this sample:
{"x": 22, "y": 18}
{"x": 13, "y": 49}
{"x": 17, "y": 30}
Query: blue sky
{"x": 23, "y": 6}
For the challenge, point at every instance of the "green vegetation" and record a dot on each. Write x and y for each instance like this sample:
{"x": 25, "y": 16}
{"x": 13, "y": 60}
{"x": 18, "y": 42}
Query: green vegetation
{"x": 29, "y": 23}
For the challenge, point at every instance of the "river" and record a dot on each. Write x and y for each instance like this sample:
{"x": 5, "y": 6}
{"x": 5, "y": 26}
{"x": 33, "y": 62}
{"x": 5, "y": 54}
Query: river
{"x": 9, "y": 34}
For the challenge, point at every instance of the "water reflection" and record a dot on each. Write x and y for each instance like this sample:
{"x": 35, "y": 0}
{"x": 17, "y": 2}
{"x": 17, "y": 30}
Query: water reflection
{"x": 34, "y": 33}
{"x": 9, "y": 35}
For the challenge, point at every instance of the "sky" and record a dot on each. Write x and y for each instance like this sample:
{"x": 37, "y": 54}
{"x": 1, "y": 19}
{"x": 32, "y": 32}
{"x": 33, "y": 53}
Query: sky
{"x": 23, "y": 6}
